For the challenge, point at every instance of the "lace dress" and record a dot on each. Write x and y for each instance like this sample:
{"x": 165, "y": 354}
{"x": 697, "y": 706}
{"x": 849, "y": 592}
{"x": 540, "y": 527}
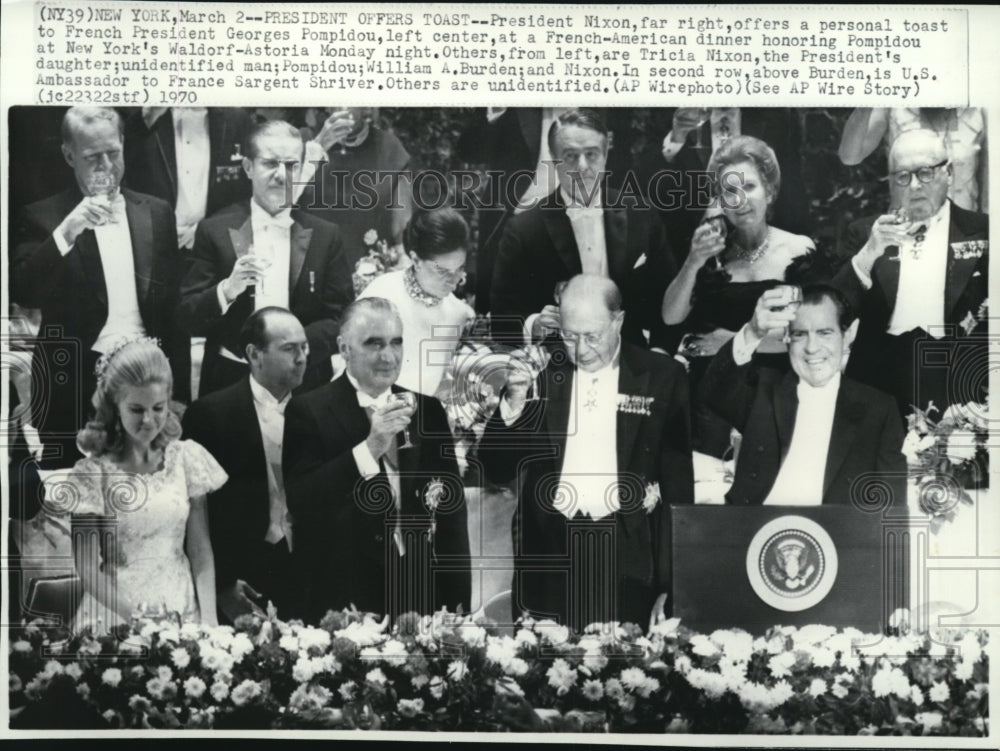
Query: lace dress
{"x": 152, "y": 510}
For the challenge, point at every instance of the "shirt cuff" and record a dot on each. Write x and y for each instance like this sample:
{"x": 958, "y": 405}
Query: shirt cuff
{"x": 670, "y": 147}
{"x": 221, "y": 297}
{"x": 865, "y": 279}
{"x": 745, "y": 343}
{"x": 508, "y": 413}
{"x": 529, "y": 323}
{"x": 367, "y": 465}
{"x": 60, "y": 241}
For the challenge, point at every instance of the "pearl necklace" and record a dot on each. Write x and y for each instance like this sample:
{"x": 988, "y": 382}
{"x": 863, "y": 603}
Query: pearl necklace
{"x": 418, "y": 293}
{"x": 752, "y": 256}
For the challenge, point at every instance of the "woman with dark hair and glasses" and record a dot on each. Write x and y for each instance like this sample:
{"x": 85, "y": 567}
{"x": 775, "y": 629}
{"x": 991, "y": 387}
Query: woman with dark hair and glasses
{"x": 433, "y": 318}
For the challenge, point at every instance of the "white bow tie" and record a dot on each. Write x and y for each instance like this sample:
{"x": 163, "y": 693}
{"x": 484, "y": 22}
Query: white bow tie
{"x": 279, "y": 222}
{"x": 583, "y": 212}
{"x": 365, "y": 400}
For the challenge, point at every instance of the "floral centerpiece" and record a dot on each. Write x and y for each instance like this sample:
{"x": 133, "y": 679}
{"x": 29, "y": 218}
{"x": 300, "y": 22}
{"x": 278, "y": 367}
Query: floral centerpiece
{"x": 947, "y": 456}
{"x": 450, "y": 672}
{"x": 380, "y": 259}
{"x": 471, "y": 388}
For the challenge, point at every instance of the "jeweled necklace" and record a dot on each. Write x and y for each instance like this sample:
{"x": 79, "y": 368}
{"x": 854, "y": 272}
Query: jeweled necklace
{"x": 418, "y": 293}
{"x": 752, "y": 256}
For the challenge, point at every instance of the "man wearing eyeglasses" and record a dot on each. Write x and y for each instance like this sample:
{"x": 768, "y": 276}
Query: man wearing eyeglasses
{"x": 597, "y": 452}
{"x": 918, "y": 275}
{"x": 261, "y": 253}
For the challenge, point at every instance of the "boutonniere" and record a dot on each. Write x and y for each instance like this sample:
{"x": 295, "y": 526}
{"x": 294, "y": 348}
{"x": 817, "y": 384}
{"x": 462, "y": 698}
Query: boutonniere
{"x": 970, "y": 249}
{"x": 434, "y": 493}
{"x": 640, "y": 262}
{"x": 652, "y": 496}
{"x": 635, "y": 404}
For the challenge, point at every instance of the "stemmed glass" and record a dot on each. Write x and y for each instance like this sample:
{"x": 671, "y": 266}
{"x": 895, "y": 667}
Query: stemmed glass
{"x": 410, "y": 400}
{"x": 101, "y": 185}
{"x": 263, "y": 262}
{"x": 790, "y": 295}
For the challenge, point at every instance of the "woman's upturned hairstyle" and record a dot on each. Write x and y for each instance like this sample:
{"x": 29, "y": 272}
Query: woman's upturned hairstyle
{"x": 748, "y": 149}
{"x": 135, "y": 363}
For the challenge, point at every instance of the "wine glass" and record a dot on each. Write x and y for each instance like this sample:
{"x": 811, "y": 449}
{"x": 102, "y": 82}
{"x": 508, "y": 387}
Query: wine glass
{"x": 703, "y": 114}
{"x": 100, "y": 185}
{"x": 790, "y": 295}
{"x": 263, "y": 261}
{"x": 410, "y": 400}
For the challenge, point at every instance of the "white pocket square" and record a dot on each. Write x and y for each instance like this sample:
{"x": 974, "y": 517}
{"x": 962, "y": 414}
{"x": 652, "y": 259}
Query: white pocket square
{"x": 641, "y": 260}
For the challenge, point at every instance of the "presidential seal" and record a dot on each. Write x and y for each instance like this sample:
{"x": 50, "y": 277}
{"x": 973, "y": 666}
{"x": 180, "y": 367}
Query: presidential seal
{"x": 791, "y": 563}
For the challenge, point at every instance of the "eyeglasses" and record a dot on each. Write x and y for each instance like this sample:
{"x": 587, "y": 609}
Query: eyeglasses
{"x": 903, "y": 178}
{"x": 453, "y": 277}
{"x": 591, "y": 339}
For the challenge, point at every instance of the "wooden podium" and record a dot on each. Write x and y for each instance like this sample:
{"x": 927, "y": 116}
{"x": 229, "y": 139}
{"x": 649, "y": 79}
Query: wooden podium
{"x": 761, "y": 566}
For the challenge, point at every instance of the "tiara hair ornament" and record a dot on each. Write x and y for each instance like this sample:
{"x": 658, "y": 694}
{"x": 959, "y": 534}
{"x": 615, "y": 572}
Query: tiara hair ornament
{"x": 105, "y": 359}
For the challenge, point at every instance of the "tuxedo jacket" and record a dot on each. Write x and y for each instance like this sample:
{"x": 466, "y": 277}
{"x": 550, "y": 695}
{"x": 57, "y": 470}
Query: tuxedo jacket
{"x": 966, "y": 288}
{"x": 239, "y": 513}
{"x": 71, "y": 290}
{"x": 510, "y": 145}
{"x": 864, "y": 456}
{"x": 151, "y": 157}
{"x": 343, "y": 524}
{"x": 653, "y": 446}
{"x": 538, "y": 250}
{"x": 319, "y": 283}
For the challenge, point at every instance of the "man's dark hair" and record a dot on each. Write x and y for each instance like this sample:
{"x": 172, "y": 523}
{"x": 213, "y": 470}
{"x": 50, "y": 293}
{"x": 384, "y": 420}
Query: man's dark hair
{"x": 434, "y": 233}
{"x": 270, "y": 128}
{"x": 254, "y": 330}
{"x": 591, "y": 119}
{"x": 814, "y": 294}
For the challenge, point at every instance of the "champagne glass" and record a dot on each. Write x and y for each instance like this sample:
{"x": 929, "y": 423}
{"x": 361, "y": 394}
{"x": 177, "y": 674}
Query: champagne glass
{"x": 263, "y": 261}
{"x": 410, "y": 400}
{"x": 703, "y": 114}
{"x": 100, "y": 185}
{"x": 790, "y": 295}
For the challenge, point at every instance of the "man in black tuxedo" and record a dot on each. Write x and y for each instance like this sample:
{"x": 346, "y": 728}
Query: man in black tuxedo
{"x": 242, "y": 426}
{"x": 513, "y": 144}
{"x": 102, "y": 264}
{"x": 376, "y": 523}
{"x": 581, "y": 227}
{"x": 795, "y": 423}
{"x": 596, "y": 459}
{"x": 919, "y": 275}
{"x": 258, "y": 253}
{"x": 191, "y": 157}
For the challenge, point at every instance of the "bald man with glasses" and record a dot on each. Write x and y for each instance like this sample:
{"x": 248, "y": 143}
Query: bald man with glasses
{"x": 596, "y": 454}
{"x": 918, "y": 274}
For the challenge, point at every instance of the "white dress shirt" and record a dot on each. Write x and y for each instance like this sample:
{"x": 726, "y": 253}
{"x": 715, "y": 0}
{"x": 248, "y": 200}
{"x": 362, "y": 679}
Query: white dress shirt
{"x": 588, "y": 231}
{"x": 589, "y": 475}
{"x": 271, "y": 418}
{"x": 114, "y": 243}
{"x": 193, "y": 153}
{"x": 368, "y": 466}
{"x": 800, "y": 479}
{"x": 923, "y": 269}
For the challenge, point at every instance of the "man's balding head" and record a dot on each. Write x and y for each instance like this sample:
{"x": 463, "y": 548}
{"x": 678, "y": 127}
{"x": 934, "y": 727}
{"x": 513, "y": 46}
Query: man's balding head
{"x": 590, "y": 313}
{"x": 912, "y": 151}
